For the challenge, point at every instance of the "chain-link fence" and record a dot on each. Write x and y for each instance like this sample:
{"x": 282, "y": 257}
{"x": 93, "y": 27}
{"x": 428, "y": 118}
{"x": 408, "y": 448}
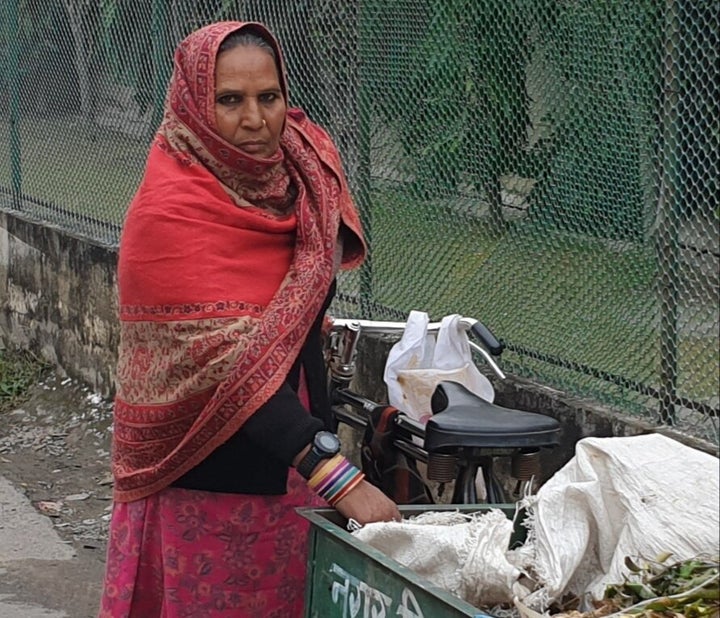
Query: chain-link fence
{"x": 547, "y": 166}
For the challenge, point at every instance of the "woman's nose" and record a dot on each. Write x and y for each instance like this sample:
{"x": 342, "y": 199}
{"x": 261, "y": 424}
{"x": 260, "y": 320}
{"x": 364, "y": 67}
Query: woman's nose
{"x": 252, "y": 117}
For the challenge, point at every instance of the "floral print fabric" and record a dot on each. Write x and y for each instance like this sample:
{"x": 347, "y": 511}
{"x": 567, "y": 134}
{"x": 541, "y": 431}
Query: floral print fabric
{"x": 182, "y": 553}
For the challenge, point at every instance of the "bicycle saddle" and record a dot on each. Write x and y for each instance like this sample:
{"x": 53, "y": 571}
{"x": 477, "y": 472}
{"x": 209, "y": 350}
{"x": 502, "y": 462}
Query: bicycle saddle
{"x": 462, "y": 419}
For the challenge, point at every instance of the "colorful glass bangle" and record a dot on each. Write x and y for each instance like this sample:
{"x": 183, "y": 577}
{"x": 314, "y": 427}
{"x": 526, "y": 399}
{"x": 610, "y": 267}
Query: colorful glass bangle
{"x": 324, "y": 471}
{"x": 339, "y": 481}
{"x": 347, "y": 489}
{"x": 347, "y": 486}
{"x": 335, "y": 479}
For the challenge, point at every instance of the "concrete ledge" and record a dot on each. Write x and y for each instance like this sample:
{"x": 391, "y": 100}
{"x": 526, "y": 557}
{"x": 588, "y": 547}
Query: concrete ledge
{"x": 60, "y": 296}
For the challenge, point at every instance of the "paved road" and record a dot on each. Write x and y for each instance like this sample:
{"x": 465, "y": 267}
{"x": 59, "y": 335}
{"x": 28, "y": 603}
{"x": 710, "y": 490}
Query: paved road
{"x": 41, "y": 576}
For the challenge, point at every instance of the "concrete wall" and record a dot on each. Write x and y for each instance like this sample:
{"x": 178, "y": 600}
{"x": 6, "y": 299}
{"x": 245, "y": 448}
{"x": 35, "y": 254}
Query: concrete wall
{"x": 58, "y": 299}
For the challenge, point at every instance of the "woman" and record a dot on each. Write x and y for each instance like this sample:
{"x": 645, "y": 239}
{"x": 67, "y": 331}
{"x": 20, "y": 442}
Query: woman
{"x": 227, "y": 263}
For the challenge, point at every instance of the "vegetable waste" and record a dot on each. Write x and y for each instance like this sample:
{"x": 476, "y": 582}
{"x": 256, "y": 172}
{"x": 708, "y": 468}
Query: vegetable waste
{"x": 659, "y": 589}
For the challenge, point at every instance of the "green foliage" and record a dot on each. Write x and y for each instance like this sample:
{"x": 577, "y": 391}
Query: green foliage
{"x": 127, "y": 41}
{"x": 606, "y": 58}
{"x": 45, "y": 45}
{"x": 452, "y": 81}
{"x": 18, "y": 372}
{"x": 687, "y": 588}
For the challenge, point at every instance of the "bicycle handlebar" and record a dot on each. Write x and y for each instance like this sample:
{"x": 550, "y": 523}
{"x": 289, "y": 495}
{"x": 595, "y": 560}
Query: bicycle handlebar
{"x": 379, "y": 327}
{"x": 351, "y": 329}
{"x": 483, "y": 333}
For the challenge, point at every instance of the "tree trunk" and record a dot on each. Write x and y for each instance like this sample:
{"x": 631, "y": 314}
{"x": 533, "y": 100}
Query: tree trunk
{"x": 75, "y": 11}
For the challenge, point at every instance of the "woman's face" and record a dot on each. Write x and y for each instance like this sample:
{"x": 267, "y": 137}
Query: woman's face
{"x": 249, "y": 105}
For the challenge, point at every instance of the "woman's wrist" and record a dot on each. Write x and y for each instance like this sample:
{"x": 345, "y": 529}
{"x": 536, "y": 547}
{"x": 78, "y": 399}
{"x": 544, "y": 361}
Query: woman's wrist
{"x": 301, "y": 455}
{"x": 334, "y": 479}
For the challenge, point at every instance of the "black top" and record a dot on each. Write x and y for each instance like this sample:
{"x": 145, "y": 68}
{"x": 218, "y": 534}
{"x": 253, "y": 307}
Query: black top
{"x": 256, "y": 459}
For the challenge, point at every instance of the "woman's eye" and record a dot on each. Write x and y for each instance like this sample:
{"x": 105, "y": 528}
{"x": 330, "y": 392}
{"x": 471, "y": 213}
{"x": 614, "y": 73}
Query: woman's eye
{"x": 268, "y": 97}
{"x": 228, "y": 99}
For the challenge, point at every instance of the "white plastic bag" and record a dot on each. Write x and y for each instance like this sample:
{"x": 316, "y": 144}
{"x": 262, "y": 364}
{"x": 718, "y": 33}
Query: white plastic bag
{"x": 418, "y": 362}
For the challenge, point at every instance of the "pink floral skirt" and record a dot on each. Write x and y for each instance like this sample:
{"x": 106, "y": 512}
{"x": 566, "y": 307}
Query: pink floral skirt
{"x": 182, "y": 553}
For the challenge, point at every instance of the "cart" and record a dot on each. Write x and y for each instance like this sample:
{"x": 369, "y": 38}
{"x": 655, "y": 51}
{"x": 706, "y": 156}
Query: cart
{"x": 350, "y": 579}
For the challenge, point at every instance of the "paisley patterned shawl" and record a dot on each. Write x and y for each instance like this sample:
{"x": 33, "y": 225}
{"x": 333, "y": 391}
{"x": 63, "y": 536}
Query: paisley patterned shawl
{"x": 225, "y": 261}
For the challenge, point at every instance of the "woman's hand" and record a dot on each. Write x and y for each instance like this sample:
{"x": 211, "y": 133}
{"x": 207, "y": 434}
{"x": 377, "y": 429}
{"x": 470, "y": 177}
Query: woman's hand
{"x": 366, "y": 504}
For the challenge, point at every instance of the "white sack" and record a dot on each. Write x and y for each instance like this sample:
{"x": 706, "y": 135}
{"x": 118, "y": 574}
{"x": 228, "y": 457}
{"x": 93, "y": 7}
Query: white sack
{"x": 635, "y": 496}
{"x": 463, "y": 554}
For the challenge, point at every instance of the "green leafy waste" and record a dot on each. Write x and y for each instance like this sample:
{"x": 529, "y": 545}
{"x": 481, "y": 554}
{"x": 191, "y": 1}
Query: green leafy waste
{"x": 659, "y": 589}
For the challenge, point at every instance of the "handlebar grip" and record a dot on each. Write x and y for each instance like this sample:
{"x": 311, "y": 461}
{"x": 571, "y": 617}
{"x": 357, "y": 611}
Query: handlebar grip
{"x": 483, "y": 333}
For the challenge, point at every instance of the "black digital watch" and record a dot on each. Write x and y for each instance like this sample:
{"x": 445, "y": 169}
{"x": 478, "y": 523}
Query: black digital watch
{"x": 325, "y": 445}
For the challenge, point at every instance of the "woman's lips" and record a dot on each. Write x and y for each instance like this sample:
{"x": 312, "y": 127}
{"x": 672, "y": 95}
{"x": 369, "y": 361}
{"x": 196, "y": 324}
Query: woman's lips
{"x": 252, "y": 147}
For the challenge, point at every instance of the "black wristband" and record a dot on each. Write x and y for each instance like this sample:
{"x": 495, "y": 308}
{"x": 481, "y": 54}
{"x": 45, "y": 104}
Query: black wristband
{"x": 325, "y": 445}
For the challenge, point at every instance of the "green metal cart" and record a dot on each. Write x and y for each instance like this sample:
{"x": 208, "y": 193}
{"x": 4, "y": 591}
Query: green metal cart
{"x": 350, "y": 579}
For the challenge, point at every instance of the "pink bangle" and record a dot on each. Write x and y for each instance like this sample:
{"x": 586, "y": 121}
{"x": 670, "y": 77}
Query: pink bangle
{"x": 335, "y": 477}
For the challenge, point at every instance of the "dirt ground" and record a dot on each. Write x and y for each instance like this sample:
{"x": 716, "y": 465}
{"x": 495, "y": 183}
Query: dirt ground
{"x": 55, "y": 449}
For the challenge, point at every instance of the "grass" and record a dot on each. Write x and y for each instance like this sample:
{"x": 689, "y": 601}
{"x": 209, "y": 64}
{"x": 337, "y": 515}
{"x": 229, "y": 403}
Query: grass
{"x": 19, "y": 370}
{"x": 93, "y": 173}
{"x": 577, "y": 298}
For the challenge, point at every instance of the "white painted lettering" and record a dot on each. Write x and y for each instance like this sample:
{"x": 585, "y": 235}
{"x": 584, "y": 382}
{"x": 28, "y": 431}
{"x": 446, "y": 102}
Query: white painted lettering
{"x": 354, "y": 596}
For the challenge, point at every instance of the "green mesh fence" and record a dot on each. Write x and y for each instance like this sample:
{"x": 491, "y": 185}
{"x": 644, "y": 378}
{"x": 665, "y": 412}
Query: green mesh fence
{"x": 547, "y": 166}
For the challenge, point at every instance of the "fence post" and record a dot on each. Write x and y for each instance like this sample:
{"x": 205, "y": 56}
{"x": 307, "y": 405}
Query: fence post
{"x": 14, "y": 77}
{"x": 364, "y": 194}
{"x": 668, "y": 234}
{"x": 161, "y": 62}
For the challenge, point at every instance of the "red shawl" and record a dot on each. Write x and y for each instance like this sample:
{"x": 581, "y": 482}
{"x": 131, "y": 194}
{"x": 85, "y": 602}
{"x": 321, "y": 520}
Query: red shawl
{"x": 221, "y": 274}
